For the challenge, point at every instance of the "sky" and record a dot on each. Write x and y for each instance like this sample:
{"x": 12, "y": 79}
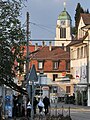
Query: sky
{"x": 43, "y": 15}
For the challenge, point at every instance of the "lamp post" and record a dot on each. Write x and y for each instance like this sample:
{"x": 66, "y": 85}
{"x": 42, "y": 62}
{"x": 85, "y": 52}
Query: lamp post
{"x": 40, "y": 86}
{"x": 32, "y": 77}
{"x": 31, "y": 93}
{"x": 40, "y": 83}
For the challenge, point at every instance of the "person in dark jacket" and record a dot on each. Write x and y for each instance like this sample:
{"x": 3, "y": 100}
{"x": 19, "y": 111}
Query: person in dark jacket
{"x": 35, "y": 102}
{"x": 46, "y": 102}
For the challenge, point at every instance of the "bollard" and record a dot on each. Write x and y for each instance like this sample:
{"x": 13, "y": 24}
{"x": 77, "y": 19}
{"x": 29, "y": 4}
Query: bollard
{"x": 69, "y": 111}
{"x": 56, "y": 110}
{"x": 62, "y": 110}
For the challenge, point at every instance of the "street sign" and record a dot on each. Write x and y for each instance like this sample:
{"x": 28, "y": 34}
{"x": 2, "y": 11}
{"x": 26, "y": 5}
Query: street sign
{"x": 33, "y": 75}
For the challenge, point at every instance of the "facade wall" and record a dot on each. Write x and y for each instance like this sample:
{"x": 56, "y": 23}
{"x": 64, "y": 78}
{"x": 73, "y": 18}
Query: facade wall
{"x": 48, "y": 66}
{"x": 81, "y": 33}
{"x": 64, "y": 85}
{"x": 78, "y": 65}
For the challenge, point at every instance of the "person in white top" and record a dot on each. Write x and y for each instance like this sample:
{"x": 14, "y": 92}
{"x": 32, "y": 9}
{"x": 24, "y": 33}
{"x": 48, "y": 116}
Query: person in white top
{"x": 29, "y": 109}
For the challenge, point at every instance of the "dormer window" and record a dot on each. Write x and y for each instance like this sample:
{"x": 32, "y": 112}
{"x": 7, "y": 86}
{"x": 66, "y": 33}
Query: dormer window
{"x": 55, "y": 65}
{"x": 40, "y": 64}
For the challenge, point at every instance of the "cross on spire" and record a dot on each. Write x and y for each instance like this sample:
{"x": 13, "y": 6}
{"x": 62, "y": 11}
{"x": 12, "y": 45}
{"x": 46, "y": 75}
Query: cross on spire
{"x": 64, "y": 5}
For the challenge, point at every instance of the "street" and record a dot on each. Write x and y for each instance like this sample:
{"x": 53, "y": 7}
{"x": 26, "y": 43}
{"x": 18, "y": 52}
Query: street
{"x": 80, "y": 115}
{"x": 76, "y": 112}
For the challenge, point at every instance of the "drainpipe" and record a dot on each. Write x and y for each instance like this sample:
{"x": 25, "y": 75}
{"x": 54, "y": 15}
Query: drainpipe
{"x": 88, "y": 76}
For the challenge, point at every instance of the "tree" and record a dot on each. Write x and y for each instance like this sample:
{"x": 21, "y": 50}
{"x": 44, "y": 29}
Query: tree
{"x": 78, "y": 10}
{"x": 73, "y": 31}
{"x": 87, "y": 11}
{"x": 11, "y": 38}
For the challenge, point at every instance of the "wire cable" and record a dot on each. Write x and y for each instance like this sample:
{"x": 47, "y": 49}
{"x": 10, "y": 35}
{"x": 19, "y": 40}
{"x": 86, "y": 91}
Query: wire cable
{"x": 42, "y": 27}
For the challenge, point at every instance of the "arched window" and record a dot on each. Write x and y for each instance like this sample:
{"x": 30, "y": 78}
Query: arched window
{"x": 62, "y": 32}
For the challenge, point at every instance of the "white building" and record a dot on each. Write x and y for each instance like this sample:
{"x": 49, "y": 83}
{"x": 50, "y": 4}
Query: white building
{"x": 79, "y": 55}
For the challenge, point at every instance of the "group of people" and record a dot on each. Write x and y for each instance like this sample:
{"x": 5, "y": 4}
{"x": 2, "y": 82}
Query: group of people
{"x": 45, "y": 103}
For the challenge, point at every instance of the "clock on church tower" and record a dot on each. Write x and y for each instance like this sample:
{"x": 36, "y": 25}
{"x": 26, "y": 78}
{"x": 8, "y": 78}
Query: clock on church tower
{"x": 62, "y": 22}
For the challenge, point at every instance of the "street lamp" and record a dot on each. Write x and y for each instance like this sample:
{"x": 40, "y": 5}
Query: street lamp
{"x": 40, "y": 83}
{"x": 31, "y": 95}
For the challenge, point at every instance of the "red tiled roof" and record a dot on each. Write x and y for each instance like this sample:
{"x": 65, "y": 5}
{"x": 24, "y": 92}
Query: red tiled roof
{"x": 55, "y": 54}
{"x": 78, "y": 41}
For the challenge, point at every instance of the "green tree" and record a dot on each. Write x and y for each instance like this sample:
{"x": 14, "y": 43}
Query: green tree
{"x": 11, "y": 37}
{"x": 78, "y": 10}
{"x": 87, "y": 11}
{"x": 73, "y": 31}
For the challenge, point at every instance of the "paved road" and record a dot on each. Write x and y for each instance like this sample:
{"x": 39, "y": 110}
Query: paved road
{"x": 76, "y": 112}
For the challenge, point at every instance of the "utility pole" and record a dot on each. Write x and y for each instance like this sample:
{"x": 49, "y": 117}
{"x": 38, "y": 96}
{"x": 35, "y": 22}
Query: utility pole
{"x": 27, "y": 66}
{"x": 27, "y": 55}
{"x": 27, "y": 45}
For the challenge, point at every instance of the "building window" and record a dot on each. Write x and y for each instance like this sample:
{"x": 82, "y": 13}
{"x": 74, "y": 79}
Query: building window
{"x": 78, "y": 53}
{"x": 85, "y": 51}
{"x": 40, "y": 64}
{"x": 81, "y": 52}
{"x": 55, "y": 76}
{"x": 54, "y": 89}
{"x": 68, "y": 89}
{"x": 62, "y": 32}
{"x": 67, "y": 65}
{"x": 55, "y": 65}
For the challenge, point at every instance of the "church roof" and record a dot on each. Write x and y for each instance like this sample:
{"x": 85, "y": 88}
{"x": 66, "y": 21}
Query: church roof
{"x": 64, "y": 15}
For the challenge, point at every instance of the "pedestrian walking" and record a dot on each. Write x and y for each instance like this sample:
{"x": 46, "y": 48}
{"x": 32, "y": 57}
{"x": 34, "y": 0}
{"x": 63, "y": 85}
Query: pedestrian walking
{"x": 35, "y": 102}
{"x": 23, "y": 110}
{"x": 15, "y": 106}
{"x": 40, "y": 106}
{"x": 29, "y": 109}
{"x": 46, "y": 102}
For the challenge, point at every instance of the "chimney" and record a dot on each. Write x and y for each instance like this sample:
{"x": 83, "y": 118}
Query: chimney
{"x": 43, "y": 43}
{"x": 36, "y": 46}
{"x": 50, "y": 45}
{"x": 63, "y": 46}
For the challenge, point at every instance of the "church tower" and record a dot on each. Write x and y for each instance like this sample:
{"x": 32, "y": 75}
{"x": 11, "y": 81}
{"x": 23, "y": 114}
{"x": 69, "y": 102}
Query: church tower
{"x": 63, "y": 29}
